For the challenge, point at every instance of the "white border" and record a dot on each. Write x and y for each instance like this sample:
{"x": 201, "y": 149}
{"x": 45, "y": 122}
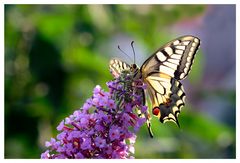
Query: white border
{"x": 237, "y": 80}
{"x": 3, "y": 2}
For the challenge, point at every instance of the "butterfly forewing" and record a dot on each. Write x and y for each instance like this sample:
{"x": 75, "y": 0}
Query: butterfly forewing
{"x": 173, "y": 59}
{"x": 116, "y": 67}
{"x": 191, "y": 45}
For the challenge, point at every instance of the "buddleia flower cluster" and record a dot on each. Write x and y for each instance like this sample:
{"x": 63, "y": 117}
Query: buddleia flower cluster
{"x": 105, "y": 126}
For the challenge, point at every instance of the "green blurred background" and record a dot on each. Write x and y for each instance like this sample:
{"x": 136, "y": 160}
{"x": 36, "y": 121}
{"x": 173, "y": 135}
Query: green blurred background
{"x": 56, "y": 54}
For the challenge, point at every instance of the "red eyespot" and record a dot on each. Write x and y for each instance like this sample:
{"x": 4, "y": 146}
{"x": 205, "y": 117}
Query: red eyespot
{"x": 156, "y": 111}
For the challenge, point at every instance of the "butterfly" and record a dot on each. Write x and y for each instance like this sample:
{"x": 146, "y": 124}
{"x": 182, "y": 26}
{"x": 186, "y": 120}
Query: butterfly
{"x": 162, "y": 73}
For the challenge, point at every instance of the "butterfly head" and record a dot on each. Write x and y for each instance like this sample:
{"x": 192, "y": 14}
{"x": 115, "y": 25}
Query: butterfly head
{"x": 134, "y": 69}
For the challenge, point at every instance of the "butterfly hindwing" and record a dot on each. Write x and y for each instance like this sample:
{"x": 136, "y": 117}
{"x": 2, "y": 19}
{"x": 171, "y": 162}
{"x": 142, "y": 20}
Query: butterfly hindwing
{"x": 167, "y": 97}
{"x": 170, "y": 110}
{"x": 158, "y": 87}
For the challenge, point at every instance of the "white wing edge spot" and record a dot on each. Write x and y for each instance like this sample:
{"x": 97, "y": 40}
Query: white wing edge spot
{"x": 182, "y": 75}
{"x": 196, "y": 40}
{"x": 175, "y": 108}
{"x": 178, "y": 102}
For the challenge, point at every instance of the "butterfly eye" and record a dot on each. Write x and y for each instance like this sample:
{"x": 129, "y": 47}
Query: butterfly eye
{"x": 134, "y": 66}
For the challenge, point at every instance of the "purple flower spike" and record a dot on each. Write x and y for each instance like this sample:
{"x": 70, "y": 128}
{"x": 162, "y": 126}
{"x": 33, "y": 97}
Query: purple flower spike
{"x": 104, "y": 127}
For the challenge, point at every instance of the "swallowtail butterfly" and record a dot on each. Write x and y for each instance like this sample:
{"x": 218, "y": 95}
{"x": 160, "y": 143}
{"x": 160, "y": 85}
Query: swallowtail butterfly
{"x": 162, "y": 73}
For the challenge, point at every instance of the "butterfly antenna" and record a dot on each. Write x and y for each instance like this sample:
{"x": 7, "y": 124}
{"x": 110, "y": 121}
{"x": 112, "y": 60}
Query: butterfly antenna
{"x": 124, "y": 52}
{"x": 133, "y": 51}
